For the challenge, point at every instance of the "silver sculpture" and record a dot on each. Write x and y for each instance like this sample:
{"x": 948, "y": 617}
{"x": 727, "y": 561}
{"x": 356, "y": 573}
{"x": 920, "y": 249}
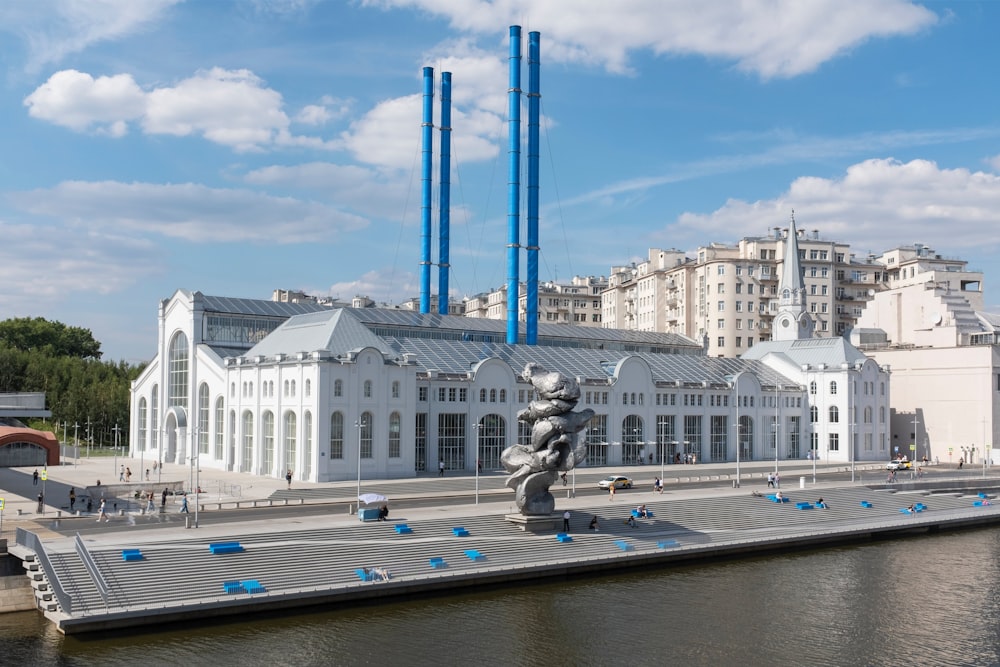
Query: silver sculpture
{"x": 558, "y": 442}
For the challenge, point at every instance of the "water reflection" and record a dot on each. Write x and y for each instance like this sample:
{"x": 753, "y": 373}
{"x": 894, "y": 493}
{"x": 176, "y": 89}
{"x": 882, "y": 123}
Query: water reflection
{"x": 929, "y": 600}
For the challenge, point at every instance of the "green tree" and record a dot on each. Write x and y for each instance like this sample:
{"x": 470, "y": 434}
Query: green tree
{"x": 36, "y": 334}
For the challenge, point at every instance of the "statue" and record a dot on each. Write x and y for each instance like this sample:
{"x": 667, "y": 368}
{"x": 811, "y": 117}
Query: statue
{"x": 557, "y": 440}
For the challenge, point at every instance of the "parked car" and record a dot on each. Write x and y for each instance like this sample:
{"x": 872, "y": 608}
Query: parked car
{"x": 899, "y": 465}
{"x": 619, "y": 482}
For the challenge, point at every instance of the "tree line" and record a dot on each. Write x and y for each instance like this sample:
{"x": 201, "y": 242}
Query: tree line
{"x": 64, "y": 362}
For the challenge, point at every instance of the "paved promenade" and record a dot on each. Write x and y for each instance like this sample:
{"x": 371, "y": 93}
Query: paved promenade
{"x": 313, "y": 558}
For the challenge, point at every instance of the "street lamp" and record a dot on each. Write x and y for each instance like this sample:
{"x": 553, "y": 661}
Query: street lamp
{"x": 475, "y": 435}
{"x": 116, "y": 429}
{"x": 360, "y": 424}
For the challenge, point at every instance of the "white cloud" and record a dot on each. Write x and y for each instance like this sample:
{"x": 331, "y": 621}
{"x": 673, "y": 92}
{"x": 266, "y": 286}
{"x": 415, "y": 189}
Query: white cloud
{"x": 772, "y": 38}
{"x": 191, "y": 212}
{"x": 229, "y": 107}
{"x": 79, "y": 101}
{"x": 383, "y": 286}
{"x": 877, "y": 205}
{"x": 55, "y": 28}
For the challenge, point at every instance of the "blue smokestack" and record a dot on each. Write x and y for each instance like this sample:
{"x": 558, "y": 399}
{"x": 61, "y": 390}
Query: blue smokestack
{"x": 427, "y": 148}
{"x": 444, "y": 250}
{"x": 534, "y": 98}
{"x": 513, "y": 183}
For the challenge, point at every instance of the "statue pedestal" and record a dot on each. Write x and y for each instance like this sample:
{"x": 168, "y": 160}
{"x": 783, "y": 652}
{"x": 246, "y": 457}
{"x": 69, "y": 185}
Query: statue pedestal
{"x": 536, "y": 523}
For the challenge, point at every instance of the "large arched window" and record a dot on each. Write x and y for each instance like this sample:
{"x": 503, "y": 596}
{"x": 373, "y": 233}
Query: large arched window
{"x": 177, "y": 391}
{"x": 203, "y": 415}
{"x": 394, "y": 441}
{"x": 491, "y": 440}
{"x": 267, "y": 433}
{"x": 336, "y": 436}
{"x": 834, "y": 414}
{"x": 307, "y": 445}
{"x": 290, "y": 440}
{"x": 246, "y": 462}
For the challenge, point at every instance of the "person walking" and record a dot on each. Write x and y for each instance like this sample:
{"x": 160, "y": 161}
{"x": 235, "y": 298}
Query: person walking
{"x": 128, "y": 474}
{"x": 163, "y": 502}
{"x": 441, "y": 468}
{"x": 611, "y": 491}
{"x": 566, "y": 516}
{"x": 770, "y": 479}
{"x": 184, "y": 506}
{"x": 102, "y": 511}
{"x": 150, "y": 504}
{"x": 147, "y": 474}
{"x": 288, "y": 478}
{"x": 34, "y": 478}
{"x": 121, "y": 474}
{"x": 777, "y": 480}
{"x": 72, "y": 498}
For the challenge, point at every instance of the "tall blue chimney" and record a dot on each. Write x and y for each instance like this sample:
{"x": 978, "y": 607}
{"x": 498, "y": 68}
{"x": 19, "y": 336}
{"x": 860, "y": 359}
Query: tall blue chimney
{"x": 513, "y": 183}
{"x": 427, "y": 149}
{"x": 534, "y": 98}
{"x": 444, "y": 231}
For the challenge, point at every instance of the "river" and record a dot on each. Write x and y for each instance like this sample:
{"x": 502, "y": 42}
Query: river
{"x": 924, "y": 600}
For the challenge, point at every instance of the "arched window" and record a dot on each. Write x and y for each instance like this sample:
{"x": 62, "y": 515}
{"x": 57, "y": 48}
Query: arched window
{"x": 286, "y": 389}
{"x": 338, "y": 388}
{"x": 336, "y": 436}
{"x": 293, "y": 388}
{"x": 503, "y": 395}
{"x": 833, "y": 387}
{"x": 232, "y": 390}
{"x": 143, "y": 425}
{"x": 367, "y": 428}
{"x": 177, "y": 388}
{"x": 220, "y": 416}
{"x": 394, "y": 440}
{"x": 834, "y": 414}
{"x": 290, "y": 440}
{"x": 395, "y": 389}
{"x": 246, "y": 463}
{"x": 813, "y": 414}
{"x": 308, "y": 388}
{"x": 307, "y": 445}
{"x": 868, "y": 414}
{"x": 368, "y": 389}
{"x": 812, "y": 387}
{"x": 493, "y": 395}
{"x": 204, "y": 408}
{"x": 154, "y": 417}
{"x": 881, "y": 415}
{"x": 482, "y": 395}
{"x": 267, "y": 432}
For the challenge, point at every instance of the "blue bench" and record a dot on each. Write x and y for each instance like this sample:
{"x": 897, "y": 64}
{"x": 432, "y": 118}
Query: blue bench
{"x": 563, "y": 537}
{"x": 364, "y": 574}
{"x": 920, "y": 507}
{"x": 983, "y": 495}
{"x": 474, "y": 555}
{"x": 233, "y": 587}
{"x": 438, "y": 563}
{"x": 638, "y": 515}
{"x": 980, "y": 503}
{"x": 131, "y": 554}
{"x": 803, "y": 506}
{"x": 667, "y": 544}
{"x": 774, "y": 499}
{"x": 916, "y": 508}
{"x": 459, "y": 531}
{"x": 225, "y": 548}
{"x": 623, "y": 545}
{"x": 253, "y": 586}
{"x": 402, "y": 529}
{"x": 866, "y": 503}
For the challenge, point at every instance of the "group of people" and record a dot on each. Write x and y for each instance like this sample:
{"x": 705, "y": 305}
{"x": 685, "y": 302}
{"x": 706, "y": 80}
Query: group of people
{"x": 377, "y": 574}
{"x": 774, "y": 480}
{"x": 685, "y": 458}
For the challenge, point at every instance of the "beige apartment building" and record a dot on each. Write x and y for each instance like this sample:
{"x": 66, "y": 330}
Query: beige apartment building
{"x": 576, "y": 302}
{"x": 727, "y": 295}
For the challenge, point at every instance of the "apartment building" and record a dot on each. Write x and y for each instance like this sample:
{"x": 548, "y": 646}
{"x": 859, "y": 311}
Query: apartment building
{"x": 727, "y": 295}
{"x": 576, "y": 302}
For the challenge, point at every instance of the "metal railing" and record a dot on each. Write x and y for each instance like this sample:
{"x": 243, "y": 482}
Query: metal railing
{"x": 92, "y": 569}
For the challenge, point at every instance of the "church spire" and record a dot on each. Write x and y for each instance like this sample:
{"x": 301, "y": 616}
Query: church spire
{"x": 792, "y": 321}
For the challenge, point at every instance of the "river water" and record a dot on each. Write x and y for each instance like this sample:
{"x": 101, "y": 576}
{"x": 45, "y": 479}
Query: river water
{"x": 923, "y": 600}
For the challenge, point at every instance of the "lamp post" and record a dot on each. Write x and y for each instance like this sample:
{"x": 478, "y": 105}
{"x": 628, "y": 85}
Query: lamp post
{"x": 115, "y": 429}
{"x": 475, "y": 435}
{"x": 76, "y": 438}
{"x": 196, "y": 463}
{"x": 191, "y": 457}
{"x": 360, "y": 423}
{"x": 736, "y": 392}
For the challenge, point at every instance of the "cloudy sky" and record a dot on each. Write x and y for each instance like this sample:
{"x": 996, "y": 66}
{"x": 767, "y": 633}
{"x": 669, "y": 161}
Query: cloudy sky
{"x": 236, "y": 147}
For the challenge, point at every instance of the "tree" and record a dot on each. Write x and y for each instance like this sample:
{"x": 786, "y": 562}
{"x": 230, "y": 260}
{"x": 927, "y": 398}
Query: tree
{"x": 36, "y": 334}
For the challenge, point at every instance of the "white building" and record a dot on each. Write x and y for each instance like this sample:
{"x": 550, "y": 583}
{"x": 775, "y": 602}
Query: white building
{"x": 929, "y": 326}
{"x": 331, "y": 393}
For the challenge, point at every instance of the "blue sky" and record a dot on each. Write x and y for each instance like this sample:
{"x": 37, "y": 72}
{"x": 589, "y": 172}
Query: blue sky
{"x": 239, "y": 147}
